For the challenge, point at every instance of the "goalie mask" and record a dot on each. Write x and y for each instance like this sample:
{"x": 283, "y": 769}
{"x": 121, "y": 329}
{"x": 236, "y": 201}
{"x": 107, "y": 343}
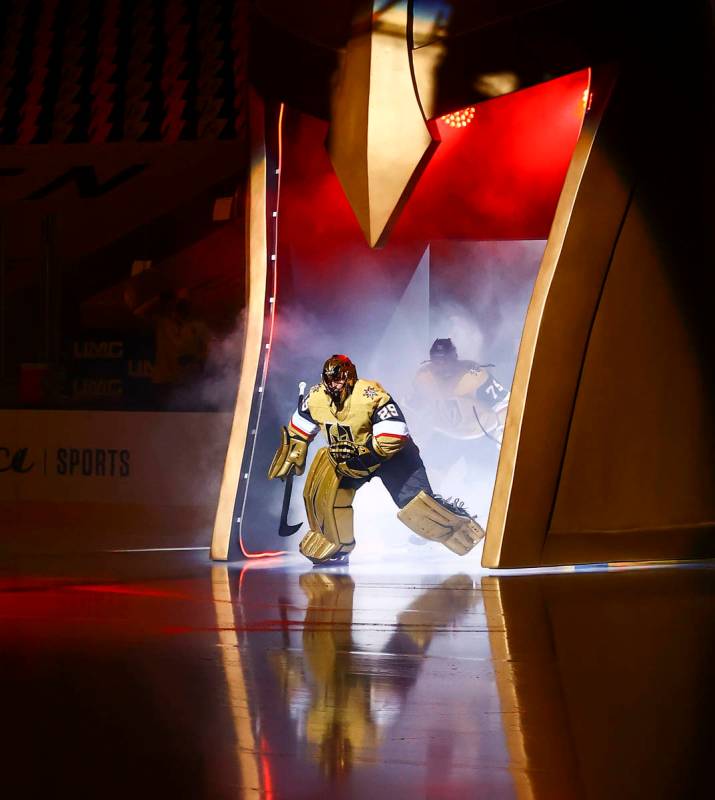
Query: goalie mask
{"x": 443, "y": 357}
{"x": 339, "y": 378}
{"x": 443, "y": 350}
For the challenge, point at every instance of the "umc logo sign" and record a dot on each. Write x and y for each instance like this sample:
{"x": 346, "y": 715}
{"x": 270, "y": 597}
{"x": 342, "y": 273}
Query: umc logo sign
{"x": 90, "y": 350}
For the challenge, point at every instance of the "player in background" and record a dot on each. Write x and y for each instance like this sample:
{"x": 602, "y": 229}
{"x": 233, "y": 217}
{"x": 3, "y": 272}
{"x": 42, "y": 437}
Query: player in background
{"x": 458, "y": 398}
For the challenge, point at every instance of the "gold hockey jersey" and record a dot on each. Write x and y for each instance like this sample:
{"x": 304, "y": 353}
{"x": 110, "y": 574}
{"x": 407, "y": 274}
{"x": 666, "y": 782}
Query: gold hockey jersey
{"x": 460, "y": 399}
{"x": 370, "y": 417}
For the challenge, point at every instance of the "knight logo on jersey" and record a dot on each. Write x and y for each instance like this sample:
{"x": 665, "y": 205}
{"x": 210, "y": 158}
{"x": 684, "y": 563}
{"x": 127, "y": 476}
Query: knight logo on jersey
{"x": 339, "y": 433}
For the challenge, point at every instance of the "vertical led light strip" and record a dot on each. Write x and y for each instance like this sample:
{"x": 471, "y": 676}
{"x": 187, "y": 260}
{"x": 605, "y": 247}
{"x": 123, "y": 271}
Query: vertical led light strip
{"x": 272, "y": 300}
{"x": 257, "y": 344}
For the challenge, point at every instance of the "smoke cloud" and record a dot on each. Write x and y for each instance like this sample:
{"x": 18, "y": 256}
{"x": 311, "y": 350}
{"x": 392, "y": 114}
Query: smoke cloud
{"x": 475, "y": 293}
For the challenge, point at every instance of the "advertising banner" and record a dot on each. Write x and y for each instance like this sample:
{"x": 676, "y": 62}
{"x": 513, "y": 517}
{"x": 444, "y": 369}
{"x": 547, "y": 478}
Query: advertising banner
{"x": 111, "y": 471}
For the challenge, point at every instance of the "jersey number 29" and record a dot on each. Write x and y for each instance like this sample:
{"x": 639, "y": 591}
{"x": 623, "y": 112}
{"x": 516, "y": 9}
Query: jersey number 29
{"x": 388, "y": 411}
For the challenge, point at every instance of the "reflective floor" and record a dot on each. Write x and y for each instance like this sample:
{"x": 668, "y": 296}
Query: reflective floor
{"x": 163, "y": 675}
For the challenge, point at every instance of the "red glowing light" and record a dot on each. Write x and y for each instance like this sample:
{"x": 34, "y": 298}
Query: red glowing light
{"x": 266, "y": 770}
{"x": 459, "y": 119}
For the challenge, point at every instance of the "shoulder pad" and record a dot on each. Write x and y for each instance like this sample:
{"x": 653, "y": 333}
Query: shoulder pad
{"x": 316, "y": 397}
{"x": 371, "y": 391}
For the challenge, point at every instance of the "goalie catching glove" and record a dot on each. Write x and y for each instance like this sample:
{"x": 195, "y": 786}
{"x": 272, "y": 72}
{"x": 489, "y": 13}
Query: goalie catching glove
{"x": 353, "y": 460}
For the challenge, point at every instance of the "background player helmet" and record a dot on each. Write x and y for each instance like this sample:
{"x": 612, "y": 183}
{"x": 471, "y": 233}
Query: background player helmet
{"x": 339, "y": 378}
{"x": 442, "y": 349}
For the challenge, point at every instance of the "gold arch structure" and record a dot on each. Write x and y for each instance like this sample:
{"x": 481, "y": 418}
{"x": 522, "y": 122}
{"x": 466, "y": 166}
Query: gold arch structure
{"x": 609, "y": 448}
{"x": 254, "y": 334}
{"x": 599, "y": 461}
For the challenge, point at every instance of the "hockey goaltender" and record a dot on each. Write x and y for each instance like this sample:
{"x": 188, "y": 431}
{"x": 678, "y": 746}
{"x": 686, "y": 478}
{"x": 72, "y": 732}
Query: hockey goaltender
{"x": 367, "y": 436}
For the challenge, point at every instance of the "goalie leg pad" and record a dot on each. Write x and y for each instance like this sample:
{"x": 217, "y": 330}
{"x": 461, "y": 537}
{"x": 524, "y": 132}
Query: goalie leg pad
{"x": 428, "y": 518}
{"x": 329, "y": 510}
{"x": 315, "y": 547}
